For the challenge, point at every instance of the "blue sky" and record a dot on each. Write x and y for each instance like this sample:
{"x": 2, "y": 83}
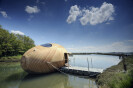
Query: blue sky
{"x": 78, "y": 25}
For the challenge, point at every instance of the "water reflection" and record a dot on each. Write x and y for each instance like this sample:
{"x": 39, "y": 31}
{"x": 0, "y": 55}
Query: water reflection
{"x": 12, "y": 76}
{"x": 56, "y": 80}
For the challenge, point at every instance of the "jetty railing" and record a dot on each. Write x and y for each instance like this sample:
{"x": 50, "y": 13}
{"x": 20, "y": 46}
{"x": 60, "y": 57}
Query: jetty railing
{"x": 87, "y": 70}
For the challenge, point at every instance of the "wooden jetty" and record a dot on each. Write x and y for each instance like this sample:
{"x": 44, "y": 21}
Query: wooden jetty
{"x": 84, "y": 71}
{"x": 113, "y": 54}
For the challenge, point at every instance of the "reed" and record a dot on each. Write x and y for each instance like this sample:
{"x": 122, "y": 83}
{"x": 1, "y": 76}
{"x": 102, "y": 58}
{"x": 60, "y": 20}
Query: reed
{"x": 115, "y": 77}
{"x": 121, "y": 80}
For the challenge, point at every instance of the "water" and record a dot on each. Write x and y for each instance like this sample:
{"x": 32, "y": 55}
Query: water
{"x": 95, "y": 61}
{"x": 13, "y": 76}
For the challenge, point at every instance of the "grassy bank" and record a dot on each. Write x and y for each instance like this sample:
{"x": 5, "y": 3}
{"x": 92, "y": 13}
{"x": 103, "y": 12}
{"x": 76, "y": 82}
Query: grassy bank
{"x": 115, "y": 77}
{"x": 10, "y": 58}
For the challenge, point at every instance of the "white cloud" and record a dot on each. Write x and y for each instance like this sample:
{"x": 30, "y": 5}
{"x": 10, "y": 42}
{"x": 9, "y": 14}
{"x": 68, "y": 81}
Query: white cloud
{"x": 114, "y": 47}
{"x": 73, "y": 13}
{"x": 17, "y": 32}
{"x": 97, "y": 15}
{"x": 93, "y": 15}
{"x": 30, "y": 9}
{"x": 4, "y": 14}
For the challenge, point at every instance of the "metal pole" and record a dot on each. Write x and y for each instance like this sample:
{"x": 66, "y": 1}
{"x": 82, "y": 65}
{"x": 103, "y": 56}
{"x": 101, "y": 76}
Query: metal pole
{"x": 74, "y": 61}
{"x": 91, "y": 63}
{"x": 88, "y": 63}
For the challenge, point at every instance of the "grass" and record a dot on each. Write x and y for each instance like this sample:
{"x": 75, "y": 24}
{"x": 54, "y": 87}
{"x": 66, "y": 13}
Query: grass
{"x": 10, "y": 58}
{"x": 115, "y": 77}
{"x": 121, "y": 80}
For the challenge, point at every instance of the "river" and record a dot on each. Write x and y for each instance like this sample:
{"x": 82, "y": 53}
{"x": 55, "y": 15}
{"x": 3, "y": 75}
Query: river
{"x": 13, "y": 76}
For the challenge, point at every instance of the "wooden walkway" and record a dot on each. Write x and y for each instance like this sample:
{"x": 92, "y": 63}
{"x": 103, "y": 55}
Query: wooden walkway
{"x": 84, "y": 71}
{"x": 113, "y": 54}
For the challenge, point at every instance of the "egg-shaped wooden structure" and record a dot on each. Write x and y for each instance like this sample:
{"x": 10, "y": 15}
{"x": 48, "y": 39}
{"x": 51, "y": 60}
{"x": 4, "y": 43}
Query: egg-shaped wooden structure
{"x": 44, "y": 58}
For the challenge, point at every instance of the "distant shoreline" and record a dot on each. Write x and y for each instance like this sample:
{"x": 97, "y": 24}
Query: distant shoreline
{"x": 11, "y": 58}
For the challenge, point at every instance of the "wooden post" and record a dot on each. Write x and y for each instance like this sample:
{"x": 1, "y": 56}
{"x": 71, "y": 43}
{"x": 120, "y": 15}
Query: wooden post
{"x": 68, "y": 63}
{"x": 66, "y": 57}
{"x": 88, "y": 64}
{"x": 124, "y": 64}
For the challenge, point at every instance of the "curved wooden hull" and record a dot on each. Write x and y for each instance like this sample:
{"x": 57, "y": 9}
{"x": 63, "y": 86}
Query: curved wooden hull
{"x": 40, "y": 59}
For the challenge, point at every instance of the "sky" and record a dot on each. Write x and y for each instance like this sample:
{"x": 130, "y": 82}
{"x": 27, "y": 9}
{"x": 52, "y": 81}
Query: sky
{"x": 78, "y": 25}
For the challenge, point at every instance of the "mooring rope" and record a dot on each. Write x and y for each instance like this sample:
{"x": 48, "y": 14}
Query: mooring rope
{"x": 57, "y": 68}
{"x": 64, "y": 72}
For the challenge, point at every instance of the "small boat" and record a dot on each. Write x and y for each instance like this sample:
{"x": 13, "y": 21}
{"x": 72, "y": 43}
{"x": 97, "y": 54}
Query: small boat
{"x": 44, "y": 58}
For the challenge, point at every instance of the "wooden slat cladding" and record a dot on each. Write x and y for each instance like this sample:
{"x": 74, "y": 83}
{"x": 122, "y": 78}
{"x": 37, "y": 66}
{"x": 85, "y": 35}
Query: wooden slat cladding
{"x": 37, "y": 59}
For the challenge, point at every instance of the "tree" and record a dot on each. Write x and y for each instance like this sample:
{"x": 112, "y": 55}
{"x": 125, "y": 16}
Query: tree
{"x": 14, "y": 44}
{"x": 4, "y": 41}
{"x": 28, "y": 43}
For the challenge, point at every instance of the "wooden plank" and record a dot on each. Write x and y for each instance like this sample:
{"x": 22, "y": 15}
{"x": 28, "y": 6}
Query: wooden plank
{"x": 84, "y": 69}
{"x": 113, "y": 54}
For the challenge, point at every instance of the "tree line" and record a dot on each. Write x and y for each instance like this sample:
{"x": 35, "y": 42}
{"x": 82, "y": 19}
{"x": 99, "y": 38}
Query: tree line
{"x": 14, "y": 44}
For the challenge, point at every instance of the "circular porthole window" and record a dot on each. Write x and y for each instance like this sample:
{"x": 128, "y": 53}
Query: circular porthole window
{"x": 47, "y": 45}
